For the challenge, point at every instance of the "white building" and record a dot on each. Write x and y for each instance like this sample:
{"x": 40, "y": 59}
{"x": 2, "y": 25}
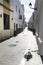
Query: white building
{"x": 31, "y": 24}
{"x": 18, "y": 16}
{"x": 31, "y": 21}
{"x": 11, "y": 18}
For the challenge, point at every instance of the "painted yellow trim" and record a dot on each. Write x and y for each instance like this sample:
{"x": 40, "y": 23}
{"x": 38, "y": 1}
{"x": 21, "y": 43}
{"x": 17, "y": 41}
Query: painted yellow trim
{"x": 6, "y": 4}
{"x": 4, "y": 9}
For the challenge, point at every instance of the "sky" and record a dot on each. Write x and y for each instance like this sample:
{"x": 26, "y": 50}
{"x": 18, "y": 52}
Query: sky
{"x": 28, "y": 12}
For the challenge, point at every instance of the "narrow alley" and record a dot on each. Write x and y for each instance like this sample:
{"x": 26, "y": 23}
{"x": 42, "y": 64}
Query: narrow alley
{"x": 12, "y": 51}
{"x": 21, "y": 32}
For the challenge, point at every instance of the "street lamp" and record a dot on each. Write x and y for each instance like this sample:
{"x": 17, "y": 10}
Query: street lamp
{"x": 30, "y": 5}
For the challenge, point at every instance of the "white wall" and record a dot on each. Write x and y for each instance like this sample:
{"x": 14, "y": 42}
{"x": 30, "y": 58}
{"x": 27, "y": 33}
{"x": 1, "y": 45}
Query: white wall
{"x": 16, "y": 14}
{"x": 41, "y": 28}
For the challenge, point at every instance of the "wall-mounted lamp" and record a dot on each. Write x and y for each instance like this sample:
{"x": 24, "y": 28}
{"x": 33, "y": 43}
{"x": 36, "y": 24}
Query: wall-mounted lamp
{"x": 12, "y": 18}
{"x": 30, "y": 5}
{"x": 1, "y": 15}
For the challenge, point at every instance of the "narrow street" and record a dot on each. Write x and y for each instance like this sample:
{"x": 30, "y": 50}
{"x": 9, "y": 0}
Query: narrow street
{"x": 12, "y": 51}
{"x": 21, "y": 32}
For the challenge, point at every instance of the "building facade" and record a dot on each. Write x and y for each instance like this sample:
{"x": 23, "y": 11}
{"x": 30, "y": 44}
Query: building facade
{"x": 39, "y": 24}
{"x": 6, "y": 19}
{"x": 11, "y": 18}
{"x": 31, "y": 24}
{"x": 18, "y": 16}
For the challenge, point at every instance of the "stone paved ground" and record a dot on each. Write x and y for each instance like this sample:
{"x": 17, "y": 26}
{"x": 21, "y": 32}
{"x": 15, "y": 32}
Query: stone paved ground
{"x": 12, "y": 50}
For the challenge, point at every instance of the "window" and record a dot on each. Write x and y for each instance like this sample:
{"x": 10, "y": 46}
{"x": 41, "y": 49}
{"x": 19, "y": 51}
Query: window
{"x": 19, "y": 11}
{"x": 14, "y": 26}
{"x": 6, "y": 21}
{"x": 16, "y": 8}
{"x": 20, "y": 16}
{"x": 33, "y": 16}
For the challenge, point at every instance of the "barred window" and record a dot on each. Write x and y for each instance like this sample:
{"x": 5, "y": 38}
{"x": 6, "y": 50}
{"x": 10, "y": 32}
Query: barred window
{"x": 19, "y": 11}
{"x": 6, "y": 21}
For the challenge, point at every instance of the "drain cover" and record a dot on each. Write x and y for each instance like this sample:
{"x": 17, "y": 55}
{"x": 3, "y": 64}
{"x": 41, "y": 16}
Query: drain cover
{"x": 12, "y": 45}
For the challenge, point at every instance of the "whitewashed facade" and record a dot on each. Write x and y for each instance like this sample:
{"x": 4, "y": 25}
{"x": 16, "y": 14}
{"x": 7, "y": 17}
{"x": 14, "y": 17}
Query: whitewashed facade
{"x": 11, "y": 18}
{"x": 18, "y": 15}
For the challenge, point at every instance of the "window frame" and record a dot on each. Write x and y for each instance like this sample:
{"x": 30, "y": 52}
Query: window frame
{"x": 6, "y": 21}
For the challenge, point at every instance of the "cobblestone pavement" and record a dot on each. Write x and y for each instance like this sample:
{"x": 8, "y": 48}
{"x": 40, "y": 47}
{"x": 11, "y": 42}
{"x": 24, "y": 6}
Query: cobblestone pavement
{"x": 12, "y": 50}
